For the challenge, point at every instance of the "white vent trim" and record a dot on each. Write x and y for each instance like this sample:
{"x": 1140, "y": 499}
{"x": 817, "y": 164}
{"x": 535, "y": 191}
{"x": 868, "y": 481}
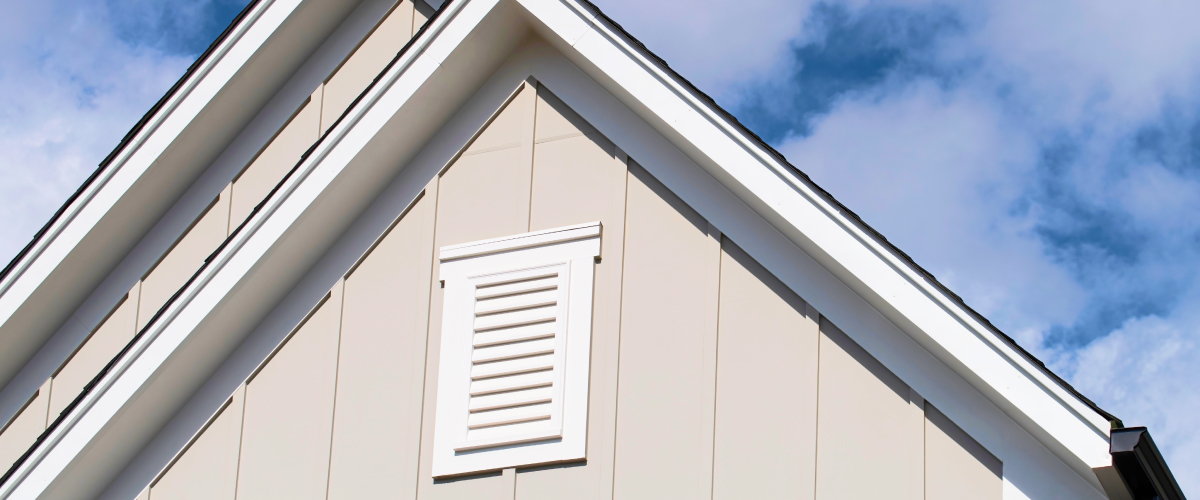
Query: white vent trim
{"x": 515, "y": 350}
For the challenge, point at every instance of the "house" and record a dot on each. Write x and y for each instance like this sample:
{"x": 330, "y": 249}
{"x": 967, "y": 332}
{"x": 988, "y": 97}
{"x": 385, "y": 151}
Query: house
{"x": 498, "y": 249}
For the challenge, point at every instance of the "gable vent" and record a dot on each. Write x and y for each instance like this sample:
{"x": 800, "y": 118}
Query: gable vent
{"x": 516, "y": 369}
{"x": 515, "y": 350}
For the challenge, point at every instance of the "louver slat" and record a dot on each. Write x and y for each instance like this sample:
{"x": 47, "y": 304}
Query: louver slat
{"x": 511, "y": 399}
{"x": 509, "y": 416}
{"x": 515, "y": 318}
{"x": 512, "y": 367}
{"x": 513, "y": 355}
{"x": 515, "y": 382}
{"x": 516, "y": 334}
{"x": 514, "y": 350}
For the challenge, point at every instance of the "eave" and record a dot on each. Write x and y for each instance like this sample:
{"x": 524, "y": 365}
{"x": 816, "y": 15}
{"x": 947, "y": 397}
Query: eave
{"x": 254, "y": 269}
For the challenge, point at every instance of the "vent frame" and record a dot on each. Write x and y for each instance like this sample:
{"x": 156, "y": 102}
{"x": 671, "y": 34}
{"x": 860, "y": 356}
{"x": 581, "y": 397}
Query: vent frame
{"x": 506, "y": 302}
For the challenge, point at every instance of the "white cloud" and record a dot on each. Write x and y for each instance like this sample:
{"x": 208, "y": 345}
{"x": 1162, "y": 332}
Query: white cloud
{"x": 939, "y": 173}
{"x": 715, "y": 43}
{"x": 948, "y": 171}
{"x": 956, "y": 175}
{"x": 1148, "y": 369}
{"x": 71, "y": 90}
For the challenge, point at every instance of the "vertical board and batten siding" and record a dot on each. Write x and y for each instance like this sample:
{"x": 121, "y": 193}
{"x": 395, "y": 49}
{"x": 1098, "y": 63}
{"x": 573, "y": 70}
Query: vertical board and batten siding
{"x": 276, "y": 159}
{"x": 96, "y": 351}
{"x": 956, "y": 465}
{"x": 870, "y": 430}
{"x": 766, "y": 421}
{"x": 709, "y": 378}
{"x": 670, "y": 287}
{"x": 288, "y": 421}
{"x": 208, "y": 470}
{"x": 181, "y": 262}
{"x": 115, "y": 331}
{"x": 365, "y": 62}
{"x": 483, "y": 194}
{"x": 210, "y": 229}
{"x": 579, "y": 177}
{"x": 377, "y": 417}
{"x": 25, "y": 426}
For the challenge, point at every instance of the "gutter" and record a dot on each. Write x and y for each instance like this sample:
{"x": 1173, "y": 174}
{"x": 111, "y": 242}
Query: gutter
{"x": 1141, "y": 467}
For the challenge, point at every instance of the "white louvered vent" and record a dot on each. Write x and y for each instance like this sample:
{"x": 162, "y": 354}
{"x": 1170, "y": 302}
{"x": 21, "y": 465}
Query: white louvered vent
{"x": 515, "y": 358}
{"x": 516, "y": 335}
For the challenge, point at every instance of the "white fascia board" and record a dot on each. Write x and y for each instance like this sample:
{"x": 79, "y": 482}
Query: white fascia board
{"x": 140, "y": 154}
{"x": 241, "y": 254}
{"x": 801, "y": 213}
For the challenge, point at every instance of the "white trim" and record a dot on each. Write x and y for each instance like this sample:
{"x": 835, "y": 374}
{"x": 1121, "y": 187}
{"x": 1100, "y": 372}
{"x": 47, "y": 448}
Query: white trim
{"x": 241, "y": 253}
{"x": 815, "y": 225}
{"x": 794, "y": 211}
{"x": 508, "y": 243}
{"x": 99, "y": 196}
{"x": 562, "y": 258}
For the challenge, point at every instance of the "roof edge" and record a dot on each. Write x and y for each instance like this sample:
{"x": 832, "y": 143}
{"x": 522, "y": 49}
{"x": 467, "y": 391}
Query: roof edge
{"x": 1114, "y": 421}
{"x": 153, "y": 322}
{"x": 125, "y": 141}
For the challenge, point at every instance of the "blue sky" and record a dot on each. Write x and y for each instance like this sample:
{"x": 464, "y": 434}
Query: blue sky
{"x": 1042, "y": 158}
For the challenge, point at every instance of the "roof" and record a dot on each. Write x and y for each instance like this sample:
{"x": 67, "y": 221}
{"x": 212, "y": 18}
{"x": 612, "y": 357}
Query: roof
{"x": 1116, "y": 423}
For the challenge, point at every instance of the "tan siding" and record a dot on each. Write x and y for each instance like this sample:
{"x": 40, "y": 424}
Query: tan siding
{"x": 956, "y": 466}
{"x": 766, "y": 425}
{"x": 669, "y": 263}
{"x": 486, "y": 195}
{"x": 377, "y": 427}
{"x": 24, "y": 428}
{"x": 289, "y": 413}
{"x": 508, "y": 127}
{"x": 362, "y": 66}
{"x": 577, "y": 180}
{"x": 105, "y": 343}
{"x": 276, "y": 159}
{"x": 866, "y": 425}
{"x": 184, "y": 259}
{"x": 208, "y": 468}
{"x": 482, "y": 195}
{"x": 557, "y": 121}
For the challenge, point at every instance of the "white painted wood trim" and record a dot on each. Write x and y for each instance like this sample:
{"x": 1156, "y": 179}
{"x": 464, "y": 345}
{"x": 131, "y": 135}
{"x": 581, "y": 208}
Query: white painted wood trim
{"x": 517, "y": 242}
{"x": 563, "y": 255}
{"x": 235, "y": 260}
{"x": 754, "y": 187}
{"x": 816, "y": 225}
{"x": 79, "y": 218}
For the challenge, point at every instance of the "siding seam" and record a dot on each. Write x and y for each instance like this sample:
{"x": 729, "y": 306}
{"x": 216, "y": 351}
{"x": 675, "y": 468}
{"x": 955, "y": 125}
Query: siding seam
{"x": 337, "y": 367}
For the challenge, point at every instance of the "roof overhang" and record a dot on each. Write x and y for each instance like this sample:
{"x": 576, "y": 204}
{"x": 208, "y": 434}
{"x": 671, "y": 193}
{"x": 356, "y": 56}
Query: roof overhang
{"x": 143, "y": 178}
{"x": 795, "y": 230}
